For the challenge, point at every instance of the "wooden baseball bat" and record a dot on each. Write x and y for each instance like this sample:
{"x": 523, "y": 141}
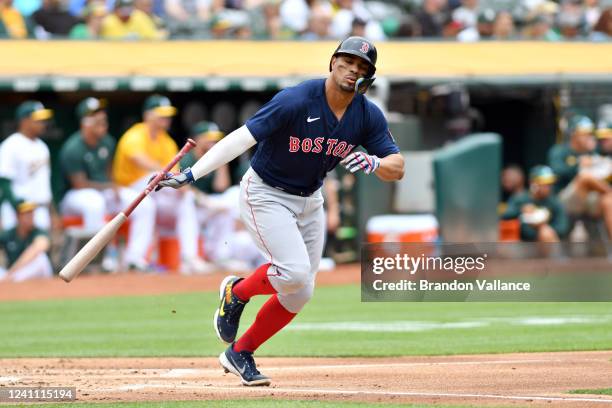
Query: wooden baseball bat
{"x": 102, "y": 237}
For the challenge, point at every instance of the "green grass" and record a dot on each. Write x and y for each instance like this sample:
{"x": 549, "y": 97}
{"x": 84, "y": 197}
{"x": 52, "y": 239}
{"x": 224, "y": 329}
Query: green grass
{"x": 239, "y": 404}
{"x": 602, "y": 391}
{"x": 181, "y": 325}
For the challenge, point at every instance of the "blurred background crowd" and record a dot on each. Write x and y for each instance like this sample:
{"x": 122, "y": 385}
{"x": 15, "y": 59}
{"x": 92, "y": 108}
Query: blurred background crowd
{"x": 461, "y": 20}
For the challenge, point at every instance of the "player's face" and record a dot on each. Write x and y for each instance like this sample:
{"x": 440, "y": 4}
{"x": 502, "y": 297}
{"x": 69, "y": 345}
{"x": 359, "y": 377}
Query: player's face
{"x": 346, "y": 69}
{"x": 541, "y": 191}
{"x": 585, "y": 140}
{"x": 35, "y": 127}
{"x": 158, "y": 121}
{"x": 26, "y": 220}
{"x": 100, "y": 124}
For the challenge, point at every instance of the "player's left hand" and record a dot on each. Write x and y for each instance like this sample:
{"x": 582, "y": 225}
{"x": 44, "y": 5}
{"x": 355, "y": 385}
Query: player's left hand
{"x": 176, "y": 180}
{"x": 361, "y": 161}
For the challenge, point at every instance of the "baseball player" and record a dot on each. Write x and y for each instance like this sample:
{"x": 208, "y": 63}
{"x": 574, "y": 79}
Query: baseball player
{"x": 25, "y": 163}
{"x": 25, "y": 247}
{"x": 581, "y": 191}
{"x": 541, "y": 214}
{"x": 85, "y": 160}
{"x": 301, "y": 134}
{"x": 144, "y": 149}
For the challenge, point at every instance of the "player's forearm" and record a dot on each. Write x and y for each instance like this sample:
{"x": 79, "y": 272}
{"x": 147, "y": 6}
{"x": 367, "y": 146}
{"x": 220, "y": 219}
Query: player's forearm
{"x": 227, "y": 149}
{"x": 41, "y": 244}
{"x": 391, "y": 168}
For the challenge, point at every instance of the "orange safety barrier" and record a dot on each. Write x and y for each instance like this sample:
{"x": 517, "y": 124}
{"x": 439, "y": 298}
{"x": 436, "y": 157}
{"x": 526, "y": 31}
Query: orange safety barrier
{"x": 509, "y": 230}
{"x": 426, "y": 235}
{"x": 169, "y": 253}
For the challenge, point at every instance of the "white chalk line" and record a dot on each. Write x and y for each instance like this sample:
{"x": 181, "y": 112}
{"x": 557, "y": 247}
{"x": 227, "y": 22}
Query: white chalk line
{"x": 9, "y": 379}
{"x": 266, "y": 390}
{"x": 413, "y": 326}
{"x": 195, "y": 372}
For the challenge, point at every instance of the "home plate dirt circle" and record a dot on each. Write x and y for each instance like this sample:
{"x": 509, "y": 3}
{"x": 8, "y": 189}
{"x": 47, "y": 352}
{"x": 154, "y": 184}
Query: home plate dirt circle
{"x": 508, "y": 379}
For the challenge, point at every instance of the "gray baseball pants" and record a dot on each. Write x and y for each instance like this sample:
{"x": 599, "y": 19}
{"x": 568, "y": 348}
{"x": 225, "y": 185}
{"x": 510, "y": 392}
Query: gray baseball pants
{"x": 289, "y": 230}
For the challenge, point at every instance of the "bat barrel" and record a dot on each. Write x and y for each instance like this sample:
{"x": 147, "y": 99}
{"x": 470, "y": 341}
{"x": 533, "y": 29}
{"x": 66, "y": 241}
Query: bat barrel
{"x": 92, "y": 248}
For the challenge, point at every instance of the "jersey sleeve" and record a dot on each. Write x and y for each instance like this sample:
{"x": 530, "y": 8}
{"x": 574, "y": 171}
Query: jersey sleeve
{"x": 7, "y": 158}
{"x": 557, "y": 161}
{"x": 273, "y": 116}
{"x": 513, "y": 210}
{"x": 378, "y": 139}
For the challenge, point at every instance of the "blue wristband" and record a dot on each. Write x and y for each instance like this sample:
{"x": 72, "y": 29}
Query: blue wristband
{"x": 189, "y": 175}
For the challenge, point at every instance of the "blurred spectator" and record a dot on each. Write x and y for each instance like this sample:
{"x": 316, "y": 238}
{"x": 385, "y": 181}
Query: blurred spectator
{"x": 466, "y": 15}
{"x": 207, "y": 134}
{"x": 26, "y": 7}
{"x": 432, "y": 18}
{"x": 127, "y": 23}
{"x": 91, "y": 29}
{"x": 542, "y": 217}
{"x": 12, "y": 24}
{"x": 295, "y": 14}
{"x": 512, "y": 181}
{"x": 503, "y": 26}
{"x": 603, "y": 29}
{"x": 267, "y": 22}
{"x": 319, "y": 24}
{"x": 187, "y": 17}
{"x": 403, "y": 27}
{"x": 25, "y": 163}
{"x": 592, "y": 12}
{"x": 142, "y": 151}
{"x": 52, "y": 19}
{"x": 582, "y": 187}
{"x": 231, "y": 24}
{"x": 85, "y": 160}
{"x": 539, "y": 28}
{"x": 346, "y": 11}
{"x": 146, "y": 6}
{"x": 571, "y": 20}
{"x": 358, "y": 28}
{"x": 25, "y": 247}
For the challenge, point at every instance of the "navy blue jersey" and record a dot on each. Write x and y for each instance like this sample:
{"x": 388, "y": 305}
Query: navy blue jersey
{"x": 300, "y": 139}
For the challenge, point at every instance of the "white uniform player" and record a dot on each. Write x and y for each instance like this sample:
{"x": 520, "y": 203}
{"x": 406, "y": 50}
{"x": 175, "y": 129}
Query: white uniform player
{"x": 25, "y": 162}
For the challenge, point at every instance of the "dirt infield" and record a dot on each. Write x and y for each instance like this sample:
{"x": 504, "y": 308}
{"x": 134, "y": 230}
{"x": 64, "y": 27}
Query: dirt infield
{"x": 509, "y": 379}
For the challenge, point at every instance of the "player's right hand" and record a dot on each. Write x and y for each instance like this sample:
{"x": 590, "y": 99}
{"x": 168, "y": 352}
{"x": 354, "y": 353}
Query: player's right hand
{"x": 176, "y": 180}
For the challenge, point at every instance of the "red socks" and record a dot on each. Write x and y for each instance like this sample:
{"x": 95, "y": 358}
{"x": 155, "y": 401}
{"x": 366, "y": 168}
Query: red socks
{"x": 256, "y": 283}
{"x": 270, "y": 319}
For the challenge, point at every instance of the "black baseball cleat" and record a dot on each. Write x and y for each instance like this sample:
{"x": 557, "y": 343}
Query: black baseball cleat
{"x": 227, "y": 316}
{"x": 243, "y": 365}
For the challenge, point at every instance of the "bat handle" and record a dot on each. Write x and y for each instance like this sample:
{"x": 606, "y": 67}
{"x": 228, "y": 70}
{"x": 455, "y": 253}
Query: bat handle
{"x": 190, "y": 144}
